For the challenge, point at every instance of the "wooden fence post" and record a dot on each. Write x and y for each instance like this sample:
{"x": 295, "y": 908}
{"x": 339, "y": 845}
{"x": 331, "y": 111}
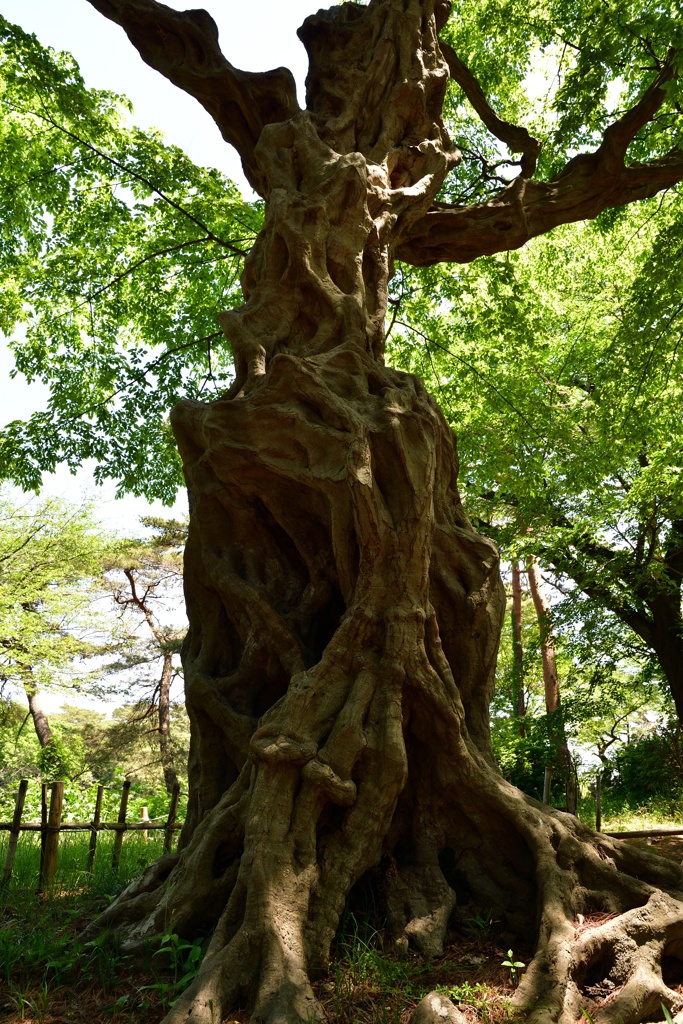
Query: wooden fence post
{"x": 547, "y": 779}
{"x": 54, "y": 820}
{"x": 144, "y": 816}
{"x": 14, "y": 832}
{"x": 95, "y": 826}
{"x": 172, "y": 811}
{"x": 598, "y": 802}
{"x": 118, "y": 837}
{"x": 43, "y": 834}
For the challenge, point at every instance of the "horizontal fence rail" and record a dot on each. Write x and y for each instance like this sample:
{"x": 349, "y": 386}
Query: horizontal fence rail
{"x": 51, "y": 825}
{"x": 650, "y": 833}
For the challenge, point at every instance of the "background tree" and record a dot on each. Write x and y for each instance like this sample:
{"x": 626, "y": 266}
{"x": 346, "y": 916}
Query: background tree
{"x": 344, "y": 616}
{"x": 604, "y": 710}
{"x": 518, "y": 697}
{"x": 143, "y": 574}
{"x": 566, "y": 391}
{"x": 551, "y": 682}
{"x": 50, "y": 554}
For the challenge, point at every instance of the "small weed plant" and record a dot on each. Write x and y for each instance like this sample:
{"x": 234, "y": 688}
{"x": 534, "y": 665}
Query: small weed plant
{"x": 183, "y": 959}
{"x": 514, "y": 966}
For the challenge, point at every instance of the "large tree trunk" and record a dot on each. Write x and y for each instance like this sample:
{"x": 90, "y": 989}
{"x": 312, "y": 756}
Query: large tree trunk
{"x": 344, "y": 616}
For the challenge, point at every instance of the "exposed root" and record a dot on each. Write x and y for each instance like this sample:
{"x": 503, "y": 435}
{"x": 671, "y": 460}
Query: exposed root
{"x": 614, "y": 969}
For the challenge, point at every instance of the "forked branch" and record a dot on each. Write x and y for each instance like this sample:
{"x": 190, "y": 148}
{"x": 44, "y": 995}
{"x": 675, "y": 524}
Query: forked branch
{"x": 515, "y": 137}
{"x": 587, "y": 185}
{"x": 183, "y": 46}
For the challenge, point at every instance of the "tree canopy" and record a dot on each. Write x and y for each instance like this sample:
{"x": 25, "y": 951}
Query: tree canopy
{"x": 118, "y": 253}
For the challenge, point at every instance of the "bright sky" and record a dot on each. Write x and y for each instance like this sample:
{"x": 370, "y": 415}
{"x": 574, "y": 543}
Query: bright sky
{"x": 254, "y": 39}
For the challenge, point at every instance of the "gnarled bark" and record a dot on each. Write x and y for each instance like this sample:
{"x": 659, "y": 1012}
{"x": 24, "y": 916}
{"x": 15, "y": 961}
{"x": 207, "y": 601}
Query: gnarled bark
{"x": 344, "y": 616}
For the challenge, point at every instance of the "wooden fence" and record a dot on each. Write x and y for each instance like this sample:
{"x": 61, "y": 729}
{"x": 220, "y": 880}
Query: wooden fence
{"x": 51, "y": 825}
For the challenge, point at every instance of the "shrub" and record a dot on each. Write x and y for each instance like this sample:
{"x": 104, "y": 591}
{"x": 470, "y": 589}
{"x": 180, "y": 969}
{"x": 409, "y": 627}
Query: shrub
{"x": 651, "y": 766}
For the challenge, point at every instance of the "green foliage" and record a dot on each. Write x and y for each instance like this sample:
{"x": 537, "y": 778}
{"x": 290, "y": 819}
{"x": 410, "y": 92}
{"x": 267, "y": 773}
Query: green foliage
{"x": 50, "y": 553}
{"x": 40, "y": 952}
{"x": 604, "y": 711}
{"x": 116, "y": 253}
{"x": 184, "y": 959}
{"x": 650, "y": 767}
{"x": 59, "y": 761}
{"x": 19, "y": 747}
{"x": 53, "y": 562}
{"x": 564, "y": 71}
{"x": 513, "y": 965}
{"x": 89, "y": 749}
{"x": 43, "y": 961}
{"x": 561, "y": 370}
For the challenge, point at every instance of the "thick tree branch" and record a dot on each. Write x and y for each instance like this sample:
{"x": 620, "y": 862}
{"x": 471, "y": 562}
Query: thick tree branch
{"x": 619, "y": 135}
{"x": 183, "y": 46}
{"x": 589, "y": 184}
{"x": 592, "y": 585}
{"x": 516, "y": 138}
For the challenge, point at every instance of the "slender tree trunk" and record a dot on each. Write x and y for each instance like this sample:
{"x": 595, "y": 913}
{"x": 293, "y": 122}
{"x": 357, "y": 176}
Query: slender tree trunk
{"x": 519, "y": 705}
{"x": 40, "y": 720}
{"x": 551, "y": 683}
{"x": 164, "y": 689}
{"x": 165, "y": 746}
{"x": 667, "y": 614}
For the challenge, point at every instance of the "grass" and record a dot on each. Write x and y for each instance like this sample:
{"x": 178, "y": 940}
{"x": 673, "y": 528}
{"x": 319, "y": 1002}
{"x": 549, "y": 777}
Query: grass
{"x": 47, "y": 976}
{"x": 46, "y": 973}
{"x": 371, "y": 984}
{"x": 621, "y": 815}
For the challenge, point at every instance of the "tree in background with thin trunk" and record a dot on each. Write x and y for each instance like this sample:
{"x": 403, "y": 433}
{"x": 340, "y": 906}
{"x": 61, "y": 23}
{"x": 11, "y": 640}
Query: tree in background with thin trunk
{"x": 551, "y": 684}
{"x": 145, "y": 579}
{"x": 518, "y": 698}
{"x": 50, "y": 557}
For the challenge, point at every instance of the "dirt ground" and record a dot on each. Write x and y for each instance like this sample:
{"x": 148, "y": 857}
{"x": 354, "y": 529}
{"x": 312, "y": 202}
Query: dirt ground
{"x": 364, "y": 987}
{"x": 665, "y": 846}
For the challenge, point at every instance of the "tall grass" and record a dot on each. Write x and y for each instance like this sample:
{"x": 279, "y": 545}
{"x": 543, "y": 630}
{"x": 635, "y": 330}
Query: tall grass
{"x": 44, "y": 967}
{"x": 72, "y": 861}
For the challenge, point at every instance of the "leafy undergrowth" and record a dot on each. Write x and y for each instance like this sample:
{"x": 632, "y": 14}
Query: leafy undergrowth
{"x": 657, "y": 813}
{"x": 48, "y": 977}
{"x": 369, "y": 984}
